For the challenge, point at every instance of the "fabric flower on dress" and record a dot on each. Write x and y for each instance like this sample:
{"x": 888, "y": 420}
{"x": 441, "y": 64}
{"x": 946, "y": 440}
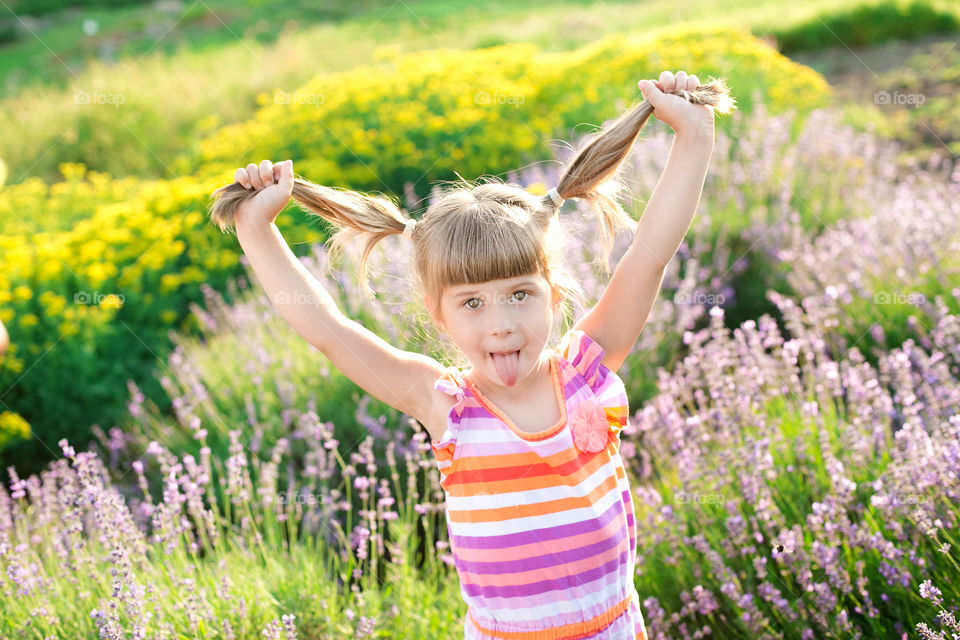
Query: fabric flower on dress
{"x": 589, "y": 424}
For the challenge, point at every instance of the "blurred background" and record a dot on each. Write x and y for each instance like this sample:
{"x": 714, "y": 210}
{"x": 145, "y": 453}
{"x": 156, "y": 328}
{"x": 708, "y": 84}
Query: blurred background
{"x": 129, "y": 319}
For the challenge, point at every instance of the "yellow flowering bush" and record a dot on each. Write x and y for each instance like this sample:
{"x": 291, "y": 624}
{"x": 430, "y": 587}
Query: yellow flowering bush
{"x": 96, "y": 297}
{"x": 487, "y": 111}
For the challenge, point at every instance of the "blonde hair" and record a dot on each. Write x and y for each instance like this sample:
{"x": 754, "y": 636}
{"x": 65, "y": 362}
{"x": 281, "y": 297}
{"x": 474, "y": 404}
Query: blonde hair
{"x": 491, "y": 230}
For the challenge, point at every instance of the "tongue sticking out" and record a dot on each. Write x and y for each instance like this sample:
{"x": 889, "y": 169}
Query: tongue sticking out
{"x": 507, "y": 366}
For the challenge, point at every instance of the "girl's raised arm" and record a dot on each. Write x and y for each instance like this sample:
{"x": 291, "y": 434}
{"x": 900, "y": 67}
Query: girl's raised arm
{"x": 402, "y": 379}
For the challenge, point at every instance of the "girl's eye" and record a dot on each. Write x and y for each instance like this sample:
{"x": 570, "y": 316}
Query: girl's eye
{"x": 467, "y": 304}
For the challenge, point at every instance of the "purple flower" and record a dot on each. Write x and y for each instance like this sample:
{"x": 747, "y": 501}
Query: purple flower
{"x": 930, "y": 592}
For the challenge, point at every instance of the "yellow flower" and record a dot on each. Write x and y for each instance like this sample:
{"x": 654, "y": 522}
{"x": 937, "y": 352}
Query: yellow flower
{"x": 49, "y": 270}
{"x": 111, "y": 301}
{"x": 53, "y": 303}
{"x": 537, "y": 188}
{"x": 22, "y": 293}
{"x": 72, "y": 170}
{"x": 169, "y": 282}
{"x": 12, "y": 428}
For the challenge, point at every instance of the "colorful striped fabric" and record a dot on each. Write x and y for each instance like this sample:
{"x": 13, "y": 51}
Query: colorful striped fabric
{"x": 542, "y": 534}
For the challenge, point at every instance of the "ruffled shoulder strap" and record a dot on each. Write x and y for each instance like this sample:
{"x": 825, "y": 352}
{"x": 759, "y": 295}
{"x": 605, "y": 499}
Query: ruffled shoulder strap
{"x": 586, "y": 355}
{"x": 452, "y": 383}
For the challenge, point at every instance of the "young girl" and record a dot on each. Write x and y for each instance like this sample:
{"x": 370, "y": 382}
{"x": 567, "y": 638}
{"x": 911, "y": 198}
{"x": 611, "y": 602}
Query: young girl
{"x": 538, "y": 507}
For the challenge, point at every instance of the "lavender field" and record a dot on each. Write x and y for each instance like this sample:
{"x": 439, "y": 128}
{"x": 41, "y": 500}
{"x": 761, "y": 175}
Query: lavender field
{"x": 794, "y": 443}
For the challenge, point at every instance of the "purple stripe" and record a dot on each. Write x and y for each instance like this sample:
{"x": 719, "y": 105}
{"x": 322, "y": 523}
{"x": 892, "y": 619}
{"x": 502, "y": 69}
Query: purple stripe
{"x": 580, "y": 349}
{"x": 547, "y": 560}
{"x": 572, "y": 387}
{"x": 535, "y": 535}
{"x": 560, "y": 584}
{"x": 602, "y": 375}
{"x": 474, "y": 412}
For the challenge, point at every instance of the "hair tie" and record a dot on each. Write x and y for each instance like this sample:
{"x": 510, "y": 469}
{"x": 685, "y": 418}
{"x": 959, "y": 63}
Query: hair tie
{"x": 408, "y": 228}
{"x": 555, "y": 196}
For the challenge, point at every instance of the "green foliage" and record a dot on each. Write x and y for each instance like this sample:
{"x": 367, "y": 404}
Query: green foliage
{"x": 97, "y": 296}
{"x": 43, "y": 7}
{"x": 867, "y": 24}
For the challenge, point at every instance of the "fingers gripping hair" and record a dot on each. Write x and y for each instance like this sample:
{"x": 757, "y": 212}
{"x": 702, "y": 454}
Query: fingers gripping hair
{"x": 592, "y": 175}
{"x": 355, "y": 215}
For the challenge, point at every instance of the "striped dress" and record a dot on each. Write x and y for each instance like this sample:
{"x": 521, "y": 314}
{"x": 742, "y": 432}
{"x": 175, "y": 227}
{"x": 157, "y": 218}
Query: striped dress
{"x": 542, "y": 530}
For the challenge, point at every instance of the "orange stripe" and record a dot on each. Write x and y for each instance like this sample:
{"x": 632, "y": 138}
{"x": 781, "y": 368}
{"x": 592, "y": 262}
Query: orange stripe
{"x": 443, "y": 453}
{"x": 566, "y": 632}
{"x": 504, "y": 468}
{"x": 538, "y": 509}
{"x": 463, "y": 485}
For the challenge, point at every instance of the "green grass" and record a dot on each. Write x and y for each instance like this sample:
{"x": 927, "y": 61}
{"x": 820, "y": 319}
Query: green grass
{"x": 57, "y": 49}
{"x": 61, "y": 49}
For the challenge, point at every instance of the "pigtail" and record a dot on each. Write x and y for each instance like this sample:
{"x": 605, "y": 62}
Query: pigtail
{"x": 593, "y": 174}
{"x": 357, "y": 217}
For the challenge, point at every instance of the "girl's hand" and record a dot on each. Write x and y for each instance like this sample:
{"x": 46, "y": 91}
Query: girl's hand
{"x": 684, "y": 117}
{"x": 273, "y": 184}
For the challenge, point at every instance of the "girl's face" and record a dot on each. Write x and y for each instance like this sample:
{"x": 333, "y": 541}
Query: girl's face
{"x": 490, "y": 321}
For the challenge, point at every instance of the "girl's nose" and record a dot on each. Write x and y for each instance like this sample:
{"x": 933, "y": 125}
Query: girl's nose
{"x": 502, "y": 319}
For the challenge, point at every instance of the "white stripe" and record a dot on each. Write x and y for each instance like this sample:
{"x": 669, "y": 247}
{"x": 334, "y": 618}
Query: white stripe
{"x": 500, "y": 434}
{"x": 595, "y": 594}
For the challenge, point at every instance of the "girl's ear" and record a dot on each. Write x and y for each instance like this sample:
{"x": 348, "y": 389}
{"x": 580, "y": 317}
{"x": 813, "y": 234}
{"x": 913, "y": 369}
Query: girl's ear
{"x": 433, "y": 316}
{"x": 557, "y": 299}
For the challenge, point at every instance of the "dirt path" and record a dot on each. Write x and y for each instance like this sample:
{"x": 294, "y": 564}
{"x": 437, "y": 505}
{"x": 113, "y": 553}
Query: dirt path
{"x": 910, "y": 84}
